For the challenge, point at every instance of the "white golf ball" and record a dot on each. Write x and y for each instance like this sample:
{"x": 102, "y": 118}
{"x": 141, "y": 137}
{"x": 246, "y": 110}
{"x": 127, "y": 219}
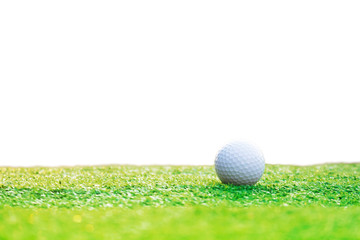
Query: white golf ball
{"x": 240, "y": 163}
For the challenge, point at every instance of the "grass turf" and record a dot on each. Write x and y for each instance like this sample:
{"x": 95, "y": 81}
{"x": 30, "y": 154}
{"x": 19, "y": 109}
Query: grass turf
{"x": 128, "y": 202}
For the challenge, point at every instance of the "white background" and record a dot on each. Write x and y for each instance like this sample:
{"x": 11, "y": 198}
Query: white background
{"x": 171, "y": 82}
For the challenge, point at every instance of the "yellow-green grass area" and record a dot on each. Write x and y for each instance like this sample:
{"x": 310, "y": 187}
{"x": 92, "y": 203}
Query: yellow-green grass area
{"x": 179, "y": 202}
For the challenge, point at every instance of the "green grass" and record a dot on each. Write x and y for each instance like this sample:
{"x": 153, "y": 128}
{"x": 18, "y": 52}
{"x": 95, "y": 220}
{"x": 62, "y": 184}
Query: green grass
{"x": 129, "y": 202}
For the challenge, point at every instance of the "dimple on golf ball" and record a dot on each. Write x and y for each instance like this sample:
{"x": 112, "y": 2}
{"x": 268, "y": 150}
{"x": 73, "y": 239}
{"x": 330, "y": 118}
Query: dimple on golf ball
{"x": 239, "y": 163}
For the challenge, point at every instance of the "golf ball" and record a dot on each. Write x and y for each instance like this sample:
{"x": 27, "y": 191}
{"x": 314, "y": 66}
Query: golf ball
{"x": 239, "y": 163}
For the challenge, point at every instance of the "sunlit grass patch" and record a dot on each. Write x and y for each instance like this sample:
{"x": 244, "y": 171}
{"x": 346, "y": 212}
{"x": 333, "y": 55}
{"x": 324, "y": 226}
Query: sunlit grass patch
{"x": 178, "y": 202}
